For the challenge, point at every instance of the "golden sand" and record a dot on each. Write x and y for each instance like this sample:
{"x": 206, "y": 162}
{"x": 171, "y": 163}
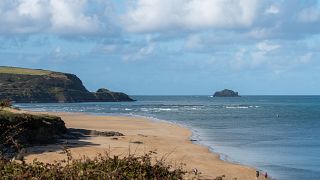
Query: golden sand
{"x": 170, "y": 141}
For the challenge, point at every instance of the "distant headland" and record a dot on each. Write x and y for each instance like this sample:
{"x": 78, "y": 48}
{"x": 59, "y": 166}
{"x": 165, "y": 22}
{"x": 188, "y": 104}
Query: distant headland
{"x": 226, "y": 93}
{"x": 24, "y": 85}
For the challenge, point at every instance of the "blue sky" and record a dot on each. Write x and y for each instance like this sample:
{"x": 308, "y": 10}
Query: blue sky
{"x": 169, "y": 47}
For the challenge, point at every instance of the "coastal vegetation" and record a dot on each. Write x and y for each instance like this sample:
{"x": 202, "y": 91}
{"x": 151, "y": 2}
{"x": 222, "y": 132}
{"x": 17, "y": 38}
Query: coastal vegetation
{"x": 101, "y": 167}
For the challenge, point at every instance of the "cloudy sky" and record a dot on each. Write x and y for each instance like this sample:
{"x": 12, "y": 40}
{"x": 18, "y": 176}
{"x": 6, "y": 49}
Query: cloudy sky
{"x": 169, "y": 47}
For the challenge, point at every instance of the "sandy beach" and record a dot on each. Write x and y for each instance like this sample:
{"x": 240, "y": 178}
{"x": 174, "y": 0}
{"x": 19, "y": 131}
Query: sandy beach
{"x": 170, "y": 141}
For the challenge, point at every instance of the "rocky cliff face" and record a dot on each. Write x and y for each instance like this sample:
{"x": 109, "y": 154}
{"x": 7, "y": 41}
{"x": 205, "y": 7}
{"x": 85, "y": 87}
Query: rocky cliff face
{"x": 226, "y": 93}
{"x": 22, "y": 130}
{"x": 39, "y": 86}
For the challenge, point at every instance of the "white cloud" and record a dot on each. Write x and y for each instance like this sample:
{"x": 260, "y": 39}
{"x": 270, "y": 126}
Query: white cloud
{"x": 258, "y": 57}
{"x": 142, "y": 52}
{"x": 260, "y": 32}
{"x": 266, "y": 46}
{"x": 157, "y": 15}
{"x": 62, "y": 54}
{"x": 52, "y": 16}
{"x": 35, "y": 9}
{"x": 256, "y": 19}
{"x": 261, "y": 55}
{"x": 239, "y": 60}
{"x": 273, "y": 9}
{"x": 70, "y": 16}
{"x": 110, "y": 48}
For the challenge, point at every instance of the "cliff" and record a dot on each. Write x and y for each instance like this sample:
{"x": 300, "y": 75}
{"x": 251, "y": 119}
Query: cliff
{"x": 40, "y": 86}
{"x": 22, "y": 130}
{"x": 226, "y": 93}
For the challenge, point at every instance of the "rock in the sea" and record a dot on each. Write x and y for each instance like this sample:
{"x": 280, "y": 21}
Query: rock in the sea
{"x": 41, "y": 86}
{"x": 226, "y": 93}
{"x": 106, "y": 95}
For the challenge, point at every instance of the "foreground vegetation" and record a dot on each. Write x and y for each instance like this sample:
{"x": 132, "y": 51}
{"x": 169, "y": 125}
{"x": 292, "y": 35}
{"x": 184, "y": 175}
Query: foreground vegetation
{"x": 101, "y": 167}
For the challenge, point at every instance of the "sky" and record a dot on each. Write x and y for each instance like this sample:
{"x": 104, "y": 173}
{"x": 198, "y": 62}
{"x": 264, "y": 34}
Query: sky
{"x": 169, "y": 47}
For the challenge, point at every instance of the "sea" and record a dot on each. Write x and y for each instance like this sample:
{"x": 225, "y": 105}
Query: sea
{"x": 279, "y": 135}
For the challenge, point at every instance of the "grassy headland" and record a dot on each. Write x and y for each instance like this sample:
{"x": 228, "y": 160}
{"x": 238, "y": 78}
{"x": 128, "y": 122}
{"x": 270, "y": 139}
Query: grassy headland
{"x": 24, "y": 85}
{"x": 24, "y": 71}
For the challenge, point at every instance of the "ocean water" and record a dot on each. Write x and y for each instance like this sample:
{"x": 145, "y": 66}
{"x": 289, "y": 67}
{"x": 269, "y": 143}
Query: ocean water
{"x": 276, "y": 134}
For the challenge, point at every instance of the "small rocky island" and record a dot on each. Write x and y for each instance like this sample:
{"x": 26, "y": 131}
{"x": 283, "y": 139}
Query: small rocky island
{"x": 226, "y": 93}
{"x": 23, "y": 85}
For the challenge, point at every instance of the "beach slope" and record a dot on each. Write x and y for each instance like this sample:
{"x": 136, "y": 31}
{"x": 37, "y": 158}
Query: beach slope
{"x": 170, "y": 141}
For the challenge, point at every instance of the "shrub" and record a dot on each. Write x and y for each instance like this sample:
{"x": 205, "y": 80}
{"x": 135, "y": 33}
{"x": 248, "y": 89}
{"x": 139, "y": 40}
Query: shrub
{"x": 5, "y": 103}
{"x": 101, "y": 167}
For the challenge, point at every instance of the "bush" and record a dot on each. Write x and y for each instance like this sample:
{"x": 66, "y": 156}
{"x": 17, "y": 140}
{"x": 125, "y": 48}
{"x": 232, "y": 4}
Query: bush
{"x": 101, "y": 167}
{"x": 5, "y": 103}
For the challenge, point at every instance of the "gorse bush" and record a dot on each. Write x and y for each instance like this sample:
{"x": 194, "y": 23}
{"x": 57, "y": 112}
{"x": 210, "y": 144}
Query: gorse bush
{"x": 101, "y": 167}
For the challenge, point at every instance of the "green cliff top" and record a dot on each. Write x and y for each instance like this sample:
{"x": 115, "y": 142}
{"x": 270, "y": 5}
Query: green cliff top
{"x": 24, "y": 71}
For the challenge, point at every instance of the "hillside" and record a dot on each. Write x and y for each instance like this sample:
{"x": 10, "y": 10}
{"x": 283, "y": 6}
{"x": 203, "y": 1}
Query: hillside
{"x": 41, "y": 86}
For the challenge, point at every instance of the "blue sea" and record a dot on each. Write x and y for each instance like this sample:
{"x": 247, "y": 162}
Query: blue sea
{"x": 276, "y": 134}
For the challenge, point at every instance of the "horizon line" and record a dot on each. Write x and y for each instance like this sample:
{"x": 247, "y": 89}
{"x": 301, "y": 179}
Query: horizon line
{"x": 212, "y": 95}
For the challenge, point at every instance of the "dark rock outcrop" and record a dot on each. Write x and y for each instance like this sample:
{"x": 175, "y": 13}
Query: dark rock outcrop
{"x": 106, "y": 95}
{"x": 40, "y": 86}
{"x": 79, "y": 133}
{"x": 226, "y": 93}
{"x": 23, "y": 130}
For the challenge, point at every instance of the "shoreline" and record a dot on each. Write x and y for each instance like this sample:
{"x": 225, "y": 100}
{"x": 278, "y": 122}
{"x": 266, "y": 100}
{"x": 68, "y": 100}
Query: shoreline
{"x": 170, "y": 140}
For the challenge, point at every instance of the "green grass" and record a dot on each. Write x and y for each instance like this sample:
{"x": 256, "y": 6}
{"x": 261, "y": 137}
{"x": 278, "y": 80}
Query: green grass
{"x": 25, "y": 71}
